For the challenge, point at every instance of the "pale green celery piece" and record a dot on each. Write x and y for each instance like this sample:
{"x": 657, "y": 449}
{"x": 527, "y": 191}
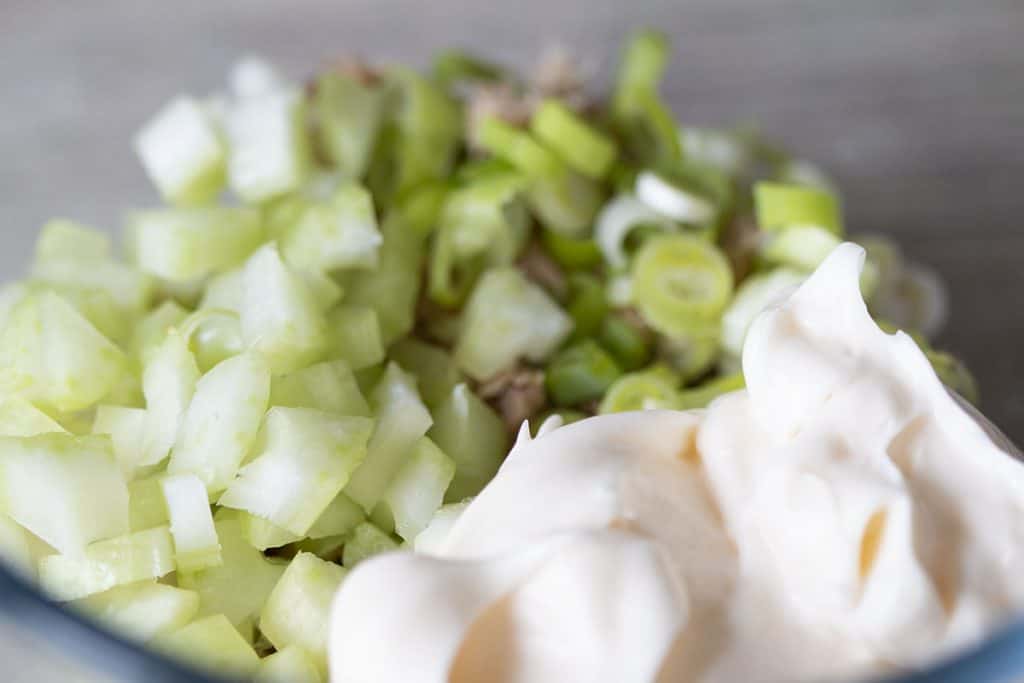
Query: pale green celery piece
{"x": 127, "y": 287}
{"x": 431, "y": 540}
{"x": 780, "y": 206}
{"x": 349, "y": 115}
{"x": 680, "y": 282}
{"x": 355, "y": 336}
{"x": 367, "y": 378}
{"x": 61, "y": 239}
{"x": 435, "y": 369}
{"x": 340, "y": 232}
{"x": 392, "y": 289}
{"x": 365, "y": 542}
{"x": 326, "y": 292}
{"x": 222, "y": 420}
{"x": 216, "y": 339}
{"x": 308, "y": 457}
{"x": 657, "y": 387}
{"x": 470, "y": 433}
{"x": 152, "y": 329}
{"x": 181, "y": 245}
{"x": 51, "y": 355}
{"x": 508, "y": 318}
{"x": 262, "y": 533}
{"x": 565, "y": 202}
{"x": 418, "y": 489}
{"x": 803, "y": 247}
{"x": 755, "y": 294}
{"x": 15, "y": 553}
{"x": 240, "y": 586}
{"x": 126, "y": 427}
{"x": 586, "y": 149}
{"x": 18, "y": 417}
{"x": 224, "y": 291}
{"x": 518, "y": 148}
{"x": 298, "y": 609}
{"x": 168, "y": 382}
{"x": 95, "y": 305}
{"x": 183, "y": 153}
{"x": 649, "y": 128}
{"x": 11, "y": 294}
{"x": 127, "y": 391}
{"x": 141, "y": 611}
{"x": 280, "y": 318}
{"x": 339, "y": 519}
{"x": 105, "y": 564}
{"x": 289, "y": 665}
{"x": 212, "y": 643}
{"x": 693, "y": 353}
{"x": 50, "y": 484}
{"x": 382, "y": 518}
{"x": 146, "y": 507}
{"x": 623, "y": 214}
{"x": 402, "y": 420}
{"x": 700, "y": 396}
{"x": 188, "y": 508}
{"x": 420, "y": 207}
{"x": 429, "y": 124}
{"x": 328, "y": 548}
{"x": 330, "y": 387}
{"x": 269, "y": 145}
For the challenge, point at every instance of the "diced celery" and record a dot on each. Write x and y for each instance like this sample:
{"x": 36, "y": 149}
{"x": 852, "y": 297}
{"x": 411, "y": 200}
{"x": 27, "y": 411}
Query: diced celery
{"x": 146, "y": 507}
{"x": 141, "y": 611}
{"x": 18, "y": 417}
{"x": 105, "y": 564}
{"x": 339, "y": 519}
{"x": 297, "y": 610}
{"x": 470, "y": 433}
{"x": 212, "y": 643}
{"x": 181, "y": 245}
{"x": 188, "y": 509}
{"x": 151, "y": 330}
{"x": 431, "y": 539}
{"x": 393, "y": 287}
{"x": 308, "y": 456}
{"x": 289, "y": 665}
{"x": 781, "y": 206}
{"x": 168, "y": 383}
{"x": 330, "y": 387}
{"x": 215, "y": 339}
{"x": 269, "y": 145}
{"x": 52, "y": 355}
{"x": 15, "y": 553}
{"x": 434, "y": 368}
{"x": 417, "y": 491}
{"x": 222, "y": 420}
{"x": 757, "y": 293}
{"x": 802, "y": 246}
{"x": 366, "y": 541}
{"x": 95, "y": 305}
{"x": 183, "y": 153}
{"x": 349, "y": 115}
{"x": 338, "y": 233}
{"x": 50, "y": 484}
{"x": 429, "y": 127}
{"x": 280, "y": 318}
{"x": 355, "y": 336}
{"x": 126, "y": 427}
{"x": 128, "y": 288}
{"x": 506, "y": 318}
{"x": 262, "y": 533}
{"x": 581, "y": 146}
{"x": 61, "y": 239}
{"x": 402, "y": 420}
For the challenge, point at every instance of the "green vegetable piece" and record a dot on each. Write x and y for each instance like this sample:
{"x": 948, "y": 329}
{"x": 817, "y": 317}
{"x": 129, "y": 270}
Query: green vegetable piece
{"x": 340, "y": 232}
{"x": 18, "y": 417}
{"x": 587, "y": 304}
{"x": 141, "y": 611}
{"x": 700, "y": 396}
{"x": 430, "y": 540}
{"x": 954, "y": 374}
{"x": 289, "y": 665}
{"x": 470, "y": 433}
{"x": 434, "y": 368}
{"x": 212, "y": 643}
{"x": 628, "y": 345}
{"x": 429, "y": 125}
{"x": 61, "y": 240}
{"x": 188, "y": 508}
{"x": 580, "y": 373}
{"x": 802, "y": 247}
{"x": 151, "y": 330}
{"x": 340, "y": 517}
{"x": 570, "y": 252}
{"x": 330, "y": 387}
{"x": 126, "y": 427}
{"x": 780, "y": 206}
{"x": 418, "y": 489}
{"x": 366, "y": 541}
{"x": 168, "y": 383}
{"x": 355, "y": 336}
{"x": 654, "y": 388}
{"x": 757, "y": 293}
{"x": 146, "y": 506}
{"x": 349, "y": 116}
{"x": 585, "y": 149}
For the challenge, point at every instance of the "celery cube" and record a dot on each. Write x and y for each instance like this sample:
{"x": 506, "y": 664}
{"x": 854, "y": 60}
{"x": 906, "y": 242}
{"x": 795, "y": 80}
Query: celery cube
{"x": 141, "y": 611}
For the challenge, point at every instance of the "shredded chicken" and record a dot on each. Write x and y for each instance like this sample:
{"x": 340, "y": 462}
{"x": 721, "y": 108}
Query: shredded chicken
{"x": 517, "y": 394}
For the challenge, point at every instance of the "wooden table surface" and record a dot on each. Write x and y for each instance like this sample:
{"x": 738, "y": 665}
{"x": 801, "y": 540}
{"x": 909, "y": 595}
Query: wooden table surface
{"x": 916, "y": 106}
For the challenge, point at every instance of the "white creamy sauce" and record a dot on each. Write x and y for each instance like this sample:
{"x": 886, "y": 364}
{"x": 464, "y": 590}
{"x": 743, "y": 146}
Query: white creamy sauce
{"x": 842, "y": 516}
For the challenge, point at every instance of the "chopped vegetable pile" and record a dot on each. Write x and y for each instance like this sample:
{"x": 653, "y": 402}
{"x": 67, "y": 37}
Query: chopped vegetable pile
{"x": 355, "y": 294}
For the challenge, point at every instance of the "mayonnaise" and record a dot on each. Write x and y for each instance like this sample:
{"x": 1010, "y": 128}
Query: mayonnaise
{"x": 840, "y": 517}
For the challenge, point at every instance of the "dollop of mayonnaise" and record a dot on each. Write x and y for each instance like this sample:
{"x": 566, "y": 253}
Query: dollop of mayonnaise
{"x": 843, "y": 516}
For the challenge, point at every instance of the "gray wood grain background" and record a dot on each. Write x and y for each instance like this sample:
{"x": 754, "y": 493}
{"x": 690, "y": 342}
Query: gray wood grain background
{"x": 916, "y": 106}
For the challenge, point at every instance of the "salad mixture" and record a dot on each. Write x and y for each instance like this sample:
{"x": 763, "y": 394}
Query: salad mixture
{"x": 319, "y": 349}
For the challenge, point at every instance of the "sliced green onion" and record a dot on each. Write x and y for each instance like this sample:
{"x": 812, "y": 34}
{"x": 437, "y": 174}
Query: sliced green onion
{"x": 430, "y": 127}
{"x": 692, "y": 353}
{"x": 366, "y": 541}
{"x": 340, "y": 232}
{"x": 297, "y": 610}
{"x": 803, "y": 247}
{"x": 651, "y": 389}
{"x": 725, "y": 151}
{"x": 565, "y": 202}
{"x": 453, "y": 66}
{"x": 105, "y": 564}
{"x": 141, "y": 611}
{"x": 628, "y": 345}
{"x": 349, "y": 116}
{"x": 435, "y": 369}
{"x": 289, "y": 665}
{"x": 188, "y": 509}
{"x": 571, "y": 252}
{"x": 679, "y": 282}
{"x": 581, "y": 146}
{"x": 420, "y": 207}
{"x": 430, "y": 540}
{"x": 757, "y": 293}
{"x": 330, "y": 387}
{"x": 506, "y": 318}
{"x": 587, "y": 304}
{"x": 643, "y": 64}
{"x": 355, "y": 336}
{"x": 646, "y": 123}
{"x": 781, "y": 206}
{"x": 470, "y": 433}
{"x": 418, "y": 489}
{"x": 518, "y": 148}
{"x": 186, "y": 244}
{"x": 213, "y": 643}
{"x": 183, "y": 153}
{"x": 580, "y": 373}
{"x": 617, "y": 219}
{"x": 307, "y": 457}
{"x": 673, "y": 201}
{"x": 700, "y": 396}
